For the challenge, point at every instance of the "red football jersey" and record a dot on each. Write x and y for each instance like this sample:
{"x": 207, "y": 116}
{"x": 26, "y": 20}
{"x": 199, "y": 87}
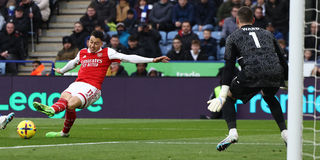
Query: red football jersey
{"x": 94, "y": 67}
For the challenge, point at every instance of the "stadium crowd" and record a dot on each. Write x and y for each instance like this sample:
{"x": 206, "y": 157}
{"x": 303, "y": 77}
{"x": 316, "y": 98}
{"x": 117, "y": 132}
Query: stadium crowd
{"x": 193, "y": 30}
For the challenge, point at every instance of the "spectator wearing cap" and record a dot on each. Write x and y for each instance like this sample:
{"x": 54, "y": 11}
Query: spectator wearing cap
{"x": 79, "y": 35}
{"x": 116, "y": 45}
{"x": 131, "y": 23}
{"x": 123, "y": 34}
{"x": 90, "y": 19}
{"x": 160, "y": 16}
{"x": 106, "y": 10}
{"x": 68, "y": 52}
{"x": 182, "y": 11}
{"x": 154, "y": 73}
{"x": 186, "y": 35}
{"x": 141, "y": 70}
{"x": 22, "y": 24}
{"x": 149, "y": 39}
{"x": 260, "y": 20}
{"x": 134, "y": 47}
{"x": 122, "y": 9}
{"x": 195, "y": 54}
{"x": 143, "y": 11}
{"x": 204, "y": 15}
{"x": 44, "y": 7}
{"x": 38, "y": 69}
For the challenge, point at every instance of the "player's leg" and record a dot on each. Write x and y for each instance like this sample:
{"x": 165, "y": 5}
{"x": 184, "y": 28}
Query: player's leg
{"x": 5, "y": 119}
{"x": 276, "y": 111}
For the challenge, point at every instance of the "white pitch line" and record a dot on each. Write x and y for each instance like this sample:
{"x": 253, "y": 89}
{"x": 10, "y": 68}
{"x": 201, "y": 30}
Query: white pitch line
{"x": 186, "y": 129}
{"x": 132, "y": 142}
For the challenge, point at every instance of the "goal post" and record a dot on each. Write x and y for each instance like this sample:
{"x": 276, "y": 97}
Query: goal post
{"x": 295, "y": 88}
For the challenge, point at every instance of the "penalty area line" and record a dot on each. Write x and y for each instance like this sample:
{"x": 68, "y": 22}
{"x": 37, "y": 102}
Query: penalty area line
{"x": 132, "y": 142}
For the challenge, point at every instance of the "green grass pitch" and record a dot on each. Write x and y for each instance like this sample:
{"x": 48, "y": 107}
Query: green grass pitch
{"x": 148, "y": 139}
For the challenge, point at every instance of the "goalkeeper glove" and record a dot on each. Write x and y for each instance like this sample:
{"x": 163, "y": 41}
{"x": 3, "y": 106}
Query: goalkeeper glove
{"x": 216, "y": 104}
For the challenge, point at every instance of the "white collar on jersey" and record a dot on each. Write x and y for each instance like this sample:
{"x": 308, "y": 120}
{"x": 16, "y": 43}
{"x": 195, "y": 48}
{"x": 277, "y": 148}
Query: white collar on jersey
{"x": 96, "y": 52}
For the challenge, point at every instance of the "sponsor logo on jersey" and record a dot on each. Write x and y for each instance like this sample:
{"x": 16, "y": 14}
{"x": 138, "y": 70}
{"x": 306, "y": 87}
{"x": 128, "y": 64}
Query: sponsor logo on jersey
{"x": 99, "y": 54}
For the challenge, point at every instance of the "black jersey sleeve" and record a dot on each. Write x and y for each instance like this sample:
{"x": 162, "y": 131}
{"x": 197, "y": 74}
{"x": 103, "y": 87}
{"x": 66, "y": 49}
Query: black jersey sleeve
{"x": 282, "y": 60}
{"x": 230, "y": 57}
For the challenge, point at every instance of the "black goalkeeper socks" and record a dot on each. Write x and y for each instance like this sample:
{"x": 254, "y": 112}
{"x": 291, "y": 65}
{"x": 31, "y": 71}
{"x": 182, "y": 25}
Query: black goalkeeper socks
{"x": 276, "y": 111}
{"x": 229, "y": 113}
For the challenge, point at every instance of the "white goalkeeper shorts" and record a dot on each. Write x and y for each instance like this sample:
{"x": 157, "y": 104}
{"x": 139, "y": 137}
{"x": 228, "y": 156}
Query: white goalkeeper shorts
{"x": 87, "y": 93}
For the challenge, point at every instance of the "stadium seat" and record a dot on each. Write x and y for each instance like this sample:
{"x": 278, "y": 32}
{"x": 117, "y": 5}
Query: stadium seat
{"x": 112, "y": 33}
{"x": 165, "y": 48}
{"x": 2, "y": 68}
{"x": 163, "y": 37}
{"x": 216, "y": 35}
{"x": 200, "y": 34}
{"x": 170, "y": 36}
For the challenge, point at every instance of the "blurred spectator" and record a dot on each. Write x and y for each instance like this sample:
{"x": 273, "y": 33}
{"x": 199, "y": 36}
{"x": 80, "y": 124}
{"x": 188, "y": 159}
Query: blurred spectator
{"x": 68, "y": 52}
{"x": 106, "y": 37}
{"x": 195, "y": 53}
{"x": 154, "y": 73}
{"x": 308, "y": 55}
{"x": 106, "y": 10}
{"x": 160, "y": 16}
{"x": 312, "y": 36}
{"x": 230, "y": 24}
{"x": 44, "y": 7}
{"x": 149, "y": 39}
{"x": 209, "y": 44}
{"x": 316, "y": 71}
{"x": 282, "y": 44}
{"x": 276, "y": 33}
{"x": 224, "y": 10}
{"x": 33, "y": 13}
{"x": 8, "y": 11}
{"x": 260, "y": 20}
{"x": 117, "y": 70}
{"x": 262, "y": 4}
{"x": 122, "y": 10}
{"x": 2, "y": 21}
{"x": 38, "y": 69}
{"x": 177, "y": 53}
{"x": 116, "y": 45}
{"x": 134, "y": 47}
{"x": 22, "y": 24}
{"x": 277, "y": 11}
{"x": 141, "y": 70}
{"x": 123, "y": 34}
{"x": 90, "y": 19}
{"x": 143, "y": 11}
{"x": 183, "y": 11}
{"x": 186, "y": 36}
{"x": 131, "y": 23}
{"x": 247, "y": 3}
{"x": 79, "y": 35}
{"x": 11, "y": 47}
{"x": 204, "y": 15}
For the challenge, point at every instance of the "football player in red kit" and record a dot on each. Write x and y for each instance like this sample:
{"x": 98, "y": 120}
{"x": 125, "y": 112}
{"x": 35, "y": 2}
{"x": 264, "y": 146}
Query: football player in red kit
{"x": 95, "y": 62}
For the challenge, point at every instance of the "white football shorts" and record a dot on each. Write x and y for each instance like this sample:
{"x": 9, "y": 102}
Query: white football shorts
{"x": 87, "y": 93}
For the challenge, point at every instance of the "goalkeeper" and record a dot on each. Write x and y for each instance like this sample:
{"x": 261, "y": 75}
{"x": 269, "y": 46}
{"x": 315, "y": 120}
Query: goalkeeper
{"x": 263, "y": 69}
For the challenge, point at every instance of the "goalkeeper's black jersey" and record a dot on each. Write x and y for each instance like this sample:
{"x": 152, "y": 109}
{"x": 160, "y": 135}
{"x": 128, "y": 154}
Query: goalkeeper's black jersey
{"x": 259, "y": 55}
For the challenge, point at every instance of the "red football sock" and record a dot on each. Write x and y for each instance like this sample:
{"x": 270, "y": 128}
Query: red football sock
{"x": 70, "y": 118}
{"x": 60, "y": 106}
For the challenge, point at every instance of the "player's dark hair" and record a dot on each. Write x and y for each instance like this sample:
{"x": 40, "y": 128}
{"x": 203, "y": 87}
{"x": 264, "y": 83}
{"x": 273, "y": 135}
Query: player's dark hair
{"x": 97, "y": 34}
{"x": 245, "y": 15}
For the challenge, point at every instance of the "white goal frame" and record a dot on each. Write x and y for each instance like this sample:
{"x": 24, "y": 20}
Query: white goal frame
{"x": 295, "y": 89}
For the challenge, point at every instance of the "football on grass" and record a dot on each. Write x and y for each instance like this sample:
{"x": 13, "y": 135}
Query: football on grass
{"x": 26, "y": 129}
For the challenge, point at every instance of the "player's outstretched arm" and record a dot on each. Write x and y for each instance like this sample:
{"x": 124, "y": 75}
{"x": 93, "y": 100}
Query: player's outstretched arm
{"x": 163, "y": 59}
{"x": 135, "y": 58}
{"x": 69, "y": 66}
